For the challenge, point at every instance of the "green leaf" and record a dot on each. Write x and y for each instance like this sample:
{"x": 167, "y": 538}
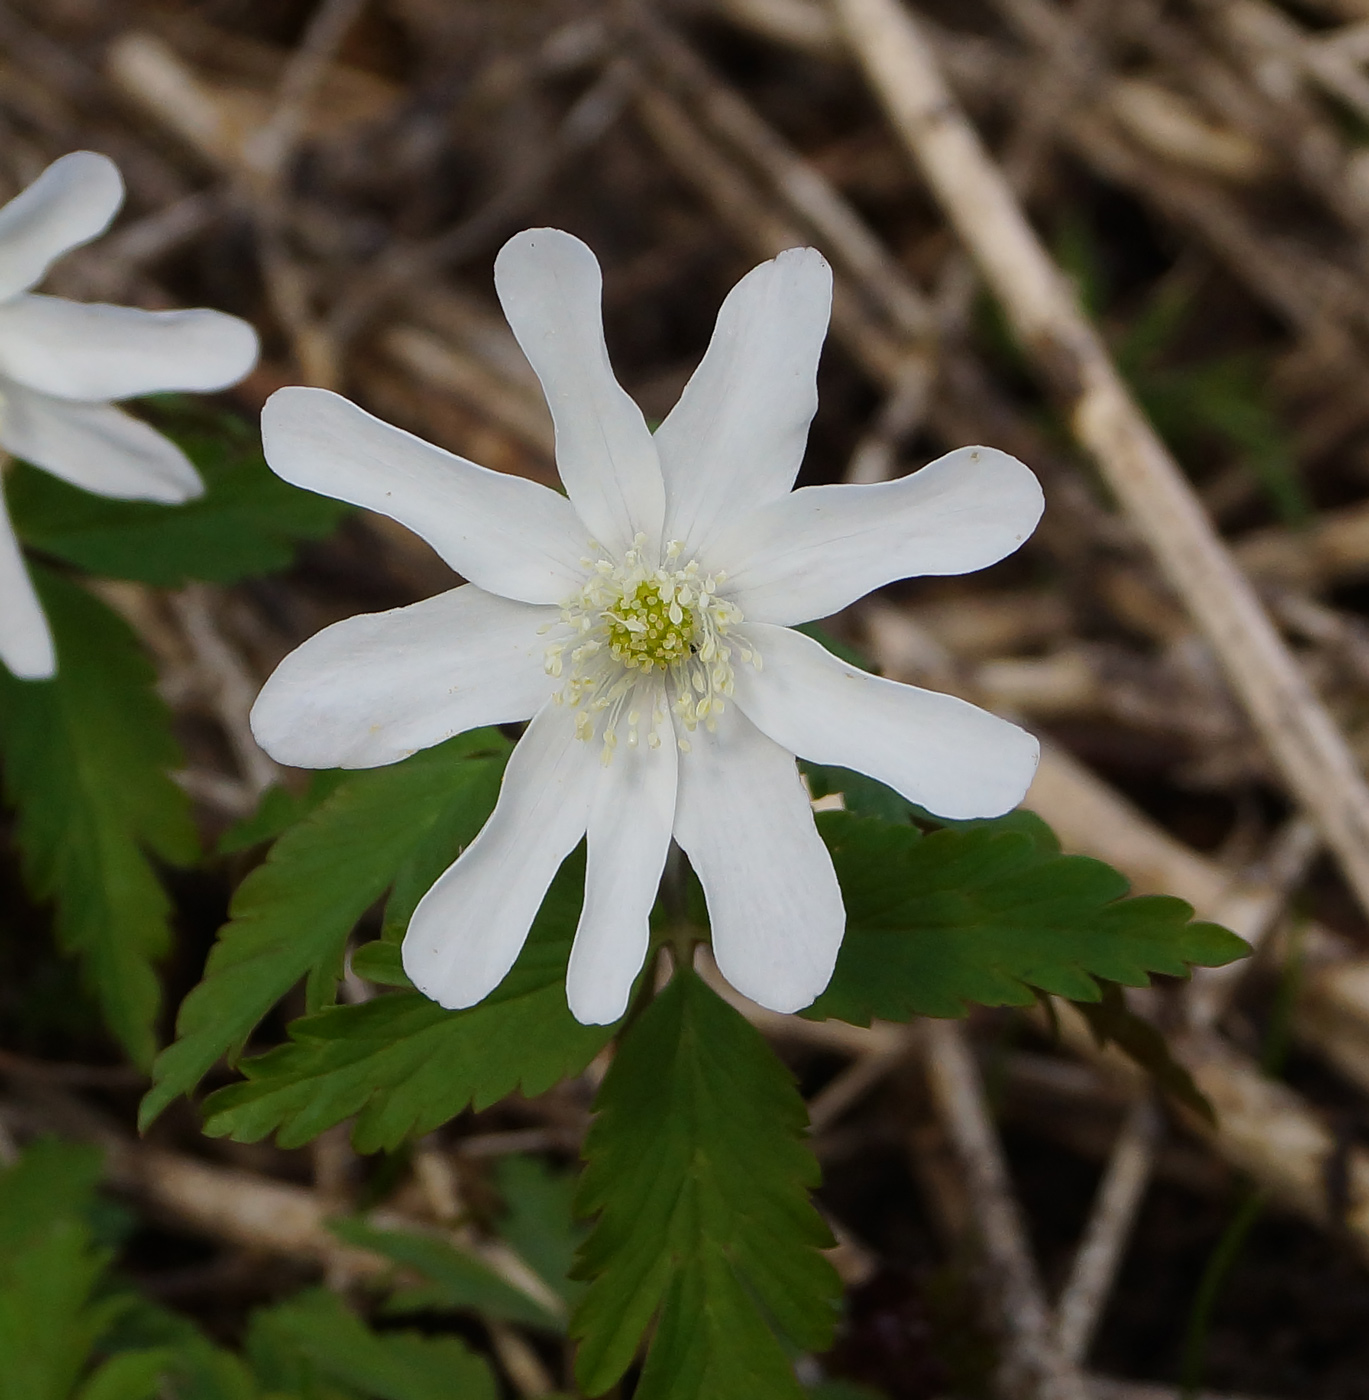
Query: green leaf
{"x": 404, "y": 1066}
{"x": 698, "y": 1169}
{"x": 381, "y": 963}
{"x": 292, "y": 915}
{"x": 456, "y": 1278}
{"x": 49, "y": 1270}
{"x": 51, "y": 1181}
{"x": 313, "y": 1335}
{"x": 1114, "y": 1022}
{"x": 864, "y": 796}
{"x": 992, "y": 913}
{"x": 248, "y": 521}
{"x": 86, "y": 759}
{"x": 48, "y": 1323}
{"x": 539, "y": 1220}
{"x": 202, "y": 1371}
{"x": 278, "y": 810}
{"x": 132, "y": 1375}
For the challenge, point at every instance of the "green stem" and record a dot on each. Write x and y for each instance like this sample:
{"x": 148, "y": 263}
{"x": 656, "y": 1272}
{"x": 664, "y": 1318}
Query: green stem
{"x": 1219, "y": 1266}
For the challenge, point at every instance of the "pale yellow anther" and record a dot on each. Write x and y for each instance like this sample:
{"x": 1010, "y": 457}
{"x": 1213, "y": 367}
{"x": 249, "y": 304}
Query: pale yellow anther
{"x": 652, "y": 634}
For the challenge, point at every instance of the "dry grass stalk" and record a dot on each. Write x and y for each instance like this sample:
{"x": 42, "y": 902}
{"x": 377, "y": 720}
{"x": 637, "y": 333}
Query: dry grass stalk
{"x": 1034, "y": 1365}
{"x": 1301, "y": 736}
{"x": 1102, "y": 1248}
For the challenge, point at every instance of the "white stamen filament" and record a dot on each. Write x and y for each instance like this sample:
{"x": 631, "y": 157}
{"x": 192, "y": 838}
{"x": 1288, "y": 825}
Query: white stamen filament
{"x": 646, "y": 636}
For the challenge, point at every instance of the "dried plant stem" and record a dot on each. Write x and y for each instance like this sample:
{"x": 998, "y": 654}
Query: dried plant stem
{"x": 1114, "y": 1213}
{"x": 1039, "y": 301}
{"x": 732, "y": 193}
{"x": 230, "y": 687}
{"x": 1033, "y": 1365}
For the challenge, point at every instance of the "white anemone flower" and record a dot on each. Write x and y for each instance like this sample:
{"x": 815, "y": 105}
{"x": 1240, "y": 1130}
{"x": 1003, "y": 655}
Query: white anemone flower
{"x": 643, "y": 623}
{"x": 62, "y": 361}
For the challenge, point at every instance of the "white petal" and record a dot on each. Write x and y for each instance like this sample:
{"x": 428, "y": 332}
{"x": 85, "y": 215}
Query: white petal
{"x": 550, "y": 286}
{"x": 629, "y": 836}
{"x": 737, "y": 436}
{"x": 25, "y": 639}
{"x": 91, "y": 350}
{"x": 948, "y": 756}
{"x": 469, "y": 928}
{"x": 374, "y": 689}
{"x": 70, "y": 203}
{"x": 820, "y": 548}
{"x": 95, "y": 446}
{"x": 745, "y": 822}
{"x": 506, "y": 534}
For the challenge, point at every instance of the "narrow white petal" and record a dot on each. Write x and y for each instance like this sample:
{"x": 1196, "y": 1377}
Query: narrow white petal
{"x": 815, "y": 551}
{"x": 91, "y": 350}
{"x": 375, "y": 688}
{"x": 737, "y": 436}
{"x": 70, "y": 203}
{"x": 629, "y": 836}
{"x": 95, "y": 446}
{"x": 469, "y": 928}
{"x": 25, "y": 639}
{"x": 948, "y": 756}
{"x": 550, "y": 287}
{"x": 745, "y": 822}
{"x": 506, "y": 534}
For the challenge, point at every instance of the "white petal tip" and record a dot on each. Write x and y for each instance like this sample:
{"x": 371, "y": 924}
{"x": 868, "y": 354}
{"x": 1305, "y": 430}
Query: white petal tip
{"x": 33, "y": 670}
{"x": 783, "y": 1000}
{"x": 29, "y": 653}
{"x": 542, "y": 243}
{"x": 426, "y": 968}
{"x": 591, "y": 1007}
{"x": 97, "y": 172}
{"x": 1017, "y": 756}
{"x": 236, "y": 350}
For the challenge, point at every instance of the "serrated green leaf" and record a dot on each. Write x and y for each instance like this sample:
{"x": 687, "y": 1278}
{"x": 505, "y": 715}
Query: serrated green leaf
{"x": 51, "y": 1181}
{"x": 48, "y": 1323}
{"x": 698, "y": 1171}
{"x": 248, "y": 521}
{"x": 202, "y": 1371}
{"x": 404, "y": 1066}
{"x": 864, "y": 796}
{"x": 990, "y": 914}
{"x": 456, "y": 1278}
{"x": 278, "y": 810}
{"x": 539, "y": 1220}
{"x": 49, "y": 1269}
{"x": 132, "y": 1375}
{"x": 313, "y": 1334}
{"x": 86, "y": 759}
{"x": 381, "y": 962}
{"x": 292, "y": 915}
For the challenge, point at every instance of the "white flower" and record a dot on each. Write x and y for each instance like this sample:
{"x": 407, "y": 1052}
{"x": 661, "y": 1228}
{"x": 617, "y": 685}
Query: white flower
{"x": 643, "y": 624}
{"x": 62, "y": 361}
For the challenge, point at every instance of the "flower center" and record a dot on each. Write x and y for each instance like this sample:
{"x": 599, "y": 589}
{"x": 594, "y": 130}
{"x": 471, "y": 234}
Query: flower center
{"x": 645, "y": 631}
{"x": 646, "y": 642}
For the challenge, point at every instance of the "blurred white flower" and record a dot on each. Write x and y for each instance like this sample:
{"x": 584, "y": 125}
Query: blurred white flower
{"x": 643, "y": 624}
{"x": 62, "y": 361}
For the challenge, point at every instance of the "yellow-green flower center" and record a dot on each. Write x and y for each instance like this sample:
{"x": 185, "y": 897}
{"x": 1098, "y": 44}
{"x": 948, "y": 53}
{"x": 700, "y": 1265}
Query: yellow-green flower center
{"x": 649, "y": 649}
{"x": 646, "y": 633}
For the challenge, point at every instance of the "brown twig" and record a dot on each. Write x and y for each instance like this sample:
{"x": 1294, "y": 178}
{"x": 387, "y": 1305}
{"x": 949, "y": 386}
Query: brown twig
{"x": 1034, "y": 1364}
{"x": 1100, "y": 1252}
{"x": 1301, "y": 736}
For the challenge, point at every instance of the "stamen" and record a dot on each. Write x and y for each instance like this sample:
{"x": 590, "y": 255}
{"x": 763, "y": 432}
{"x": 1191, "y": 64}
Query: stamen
{"x": 646, "y": 638}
